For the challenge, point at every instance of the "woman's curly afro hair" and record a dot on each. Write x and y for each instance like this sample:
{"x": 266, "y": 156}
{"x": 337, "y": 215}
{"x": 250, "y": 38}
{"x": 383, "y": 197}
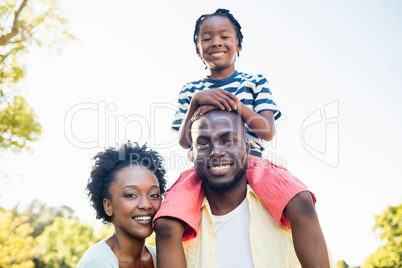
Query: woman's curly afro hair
{"x": 109, "y": 162}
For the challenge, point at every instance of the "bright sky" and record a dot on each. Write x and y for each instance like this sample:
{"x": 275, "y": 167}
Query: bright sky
{"x": 334, "y": 69}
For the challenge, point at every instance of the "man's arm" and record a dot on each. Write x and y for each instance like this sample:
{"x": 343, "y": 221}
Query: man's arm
{"x": 308, "y": 238}
{"x": 169, "y": 248}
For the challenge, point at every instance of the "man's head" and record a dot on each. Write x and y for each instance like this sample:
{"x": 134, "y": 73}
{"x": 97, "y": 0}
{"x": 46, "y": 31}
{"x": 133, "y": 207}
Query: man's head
{"x": 220, "y": 149}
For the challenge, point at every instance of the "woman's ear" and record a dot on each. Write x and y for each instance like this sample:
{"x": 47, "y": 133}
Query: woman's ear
{"x": 107, "y": 206}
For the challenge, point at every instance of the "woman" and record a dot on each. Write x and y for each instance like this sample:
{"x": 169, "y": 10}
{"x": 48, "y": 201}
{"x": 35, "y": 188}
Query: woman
{"x": 125, "y": 188}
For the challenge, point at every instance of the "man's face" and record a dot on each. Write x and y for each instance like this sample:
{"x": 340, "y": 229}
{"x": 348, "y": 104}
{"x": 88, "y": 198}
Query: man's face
{"x": 220, "y": 149}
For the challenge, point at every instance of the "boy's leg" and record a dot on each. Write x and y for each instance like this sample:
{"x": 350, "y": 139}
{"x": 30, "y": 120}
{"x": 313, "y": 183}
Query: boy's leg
{"x": 256, "y": 153}
{"x": 169, "y": 248}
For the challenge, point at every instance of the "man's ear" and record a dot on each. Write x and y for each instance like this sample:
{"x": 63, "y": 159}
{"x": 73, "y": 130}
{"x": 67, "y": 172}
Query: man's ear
{"x": 107, "y": 206}
{"x": 190, "y": 154}
{"x": 248, "y": 146}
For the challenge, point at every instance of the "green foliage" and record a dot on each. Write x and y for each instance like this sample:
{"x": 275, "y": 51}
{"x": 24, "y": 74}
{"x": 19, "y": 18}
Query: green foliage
{"x": 60, "y": 245}
{"x": 18, "y": 125}
{"x": 104, "y": 232}
{"x": 40, "y": 215}
{"x": 342, "y": 264}
{"x": 390, "y": 253}
{"x": 16, "y": 243}
{"x": 24, "y": 25}
{"x": 151, "y": 239}
{"x": 63, "y": 243}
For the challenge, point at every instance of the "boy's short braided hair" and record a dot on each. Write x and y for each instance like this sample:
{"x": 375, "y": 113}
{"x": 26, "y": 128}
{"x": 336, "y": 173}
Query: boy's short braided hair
{"x": 219, "y": 12}
{"x": 109, "y": 162}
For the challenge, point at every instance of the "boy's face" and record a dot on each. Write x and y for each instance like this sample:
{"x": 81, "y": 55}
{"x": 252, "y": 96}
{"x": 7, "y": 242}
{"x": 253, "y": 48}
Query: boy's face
{"x": 217, "y": 43}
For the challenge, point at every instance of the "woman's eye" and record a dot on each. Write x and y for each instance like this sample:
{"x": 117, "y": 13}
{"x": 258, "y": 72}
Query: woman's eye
{"x": 130, "y": 195}
{"x": 155, "y": 195}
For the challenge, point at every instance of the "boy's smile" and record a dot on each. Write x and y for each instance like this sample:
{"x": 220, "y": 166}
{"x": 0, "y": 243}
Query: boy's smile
{"x": 218, "y": 44}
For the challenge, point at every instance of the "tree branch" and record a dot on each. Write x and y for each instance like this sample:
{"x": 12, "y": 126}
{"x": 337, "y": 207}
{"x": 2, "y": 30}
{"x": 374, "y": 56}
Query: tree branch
{"x": 4, "y": 39}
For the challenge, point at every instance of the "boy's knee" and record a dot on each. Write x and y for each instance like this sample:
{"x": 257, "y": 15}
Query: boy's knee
{"x": 168, "y": 228}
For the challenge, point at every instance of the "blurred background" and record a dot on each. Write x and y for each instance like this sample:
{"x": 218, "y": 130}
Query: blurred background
{"x": 77, "y": 77}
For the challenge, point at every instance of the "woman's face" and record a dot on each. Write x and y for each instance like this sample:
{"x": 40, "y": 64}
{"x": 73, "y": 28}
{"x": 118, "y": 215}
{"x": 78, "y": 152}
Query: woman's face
{"x": 135, "y": 199}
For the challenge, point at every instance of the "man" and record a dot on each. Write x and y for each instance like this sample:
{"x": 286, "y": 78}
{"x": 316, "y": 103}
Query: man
{"x": 235, "y": 228}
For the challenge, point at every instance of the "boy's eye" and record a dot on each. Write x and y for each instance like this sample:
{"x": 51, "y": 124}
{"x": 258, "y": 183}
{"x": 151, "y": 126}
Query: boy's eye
{"x": 205, "y": 39}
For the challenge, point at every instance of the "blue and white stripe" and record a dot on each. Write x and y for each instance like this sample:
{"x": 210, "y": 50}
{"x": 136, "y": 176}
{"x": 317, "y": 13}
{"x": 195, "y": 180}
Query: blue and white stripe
{"x": 252, "y": 90}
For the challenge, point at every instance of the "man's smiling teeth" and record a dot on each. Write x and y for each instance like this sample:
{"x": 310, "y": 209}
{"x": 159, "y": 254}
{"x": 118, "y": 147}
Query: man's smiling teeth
{"x": 220, "y": 167}
{"x": 143, "y": 218}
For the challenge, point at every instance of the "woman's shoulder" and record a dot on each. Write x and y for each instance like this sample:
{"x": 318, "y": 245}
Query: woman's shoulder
{"x": 99, "y": 255}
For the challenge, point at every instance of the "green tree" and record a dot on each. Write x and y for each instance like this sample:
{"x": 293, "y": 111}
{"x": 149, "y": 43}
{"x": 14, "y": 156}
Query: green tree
{"x": 24, "y": 25}
{"x": 16, "y": 243}
{"x": 18, "y": 125}
{"x": 40, "y": 215}
{"x": 104, "y": 232}
{"x": 342, "y": 264}
{"x": 63, "y": 243}
{"x": 390, "y": 253}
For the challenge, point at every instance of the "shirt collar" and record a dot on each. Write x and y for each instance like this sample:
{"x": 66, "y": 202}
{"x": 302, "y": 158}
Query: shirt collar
{"x": 250, "y": 194}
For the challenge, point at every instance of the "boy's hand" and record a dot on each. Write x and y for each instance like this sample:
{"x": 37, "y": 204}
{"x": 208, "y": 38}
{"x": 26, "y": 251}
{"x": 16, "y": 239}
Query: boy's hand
{"x": 203, "y": 110}
{"x": 217, "y": 97}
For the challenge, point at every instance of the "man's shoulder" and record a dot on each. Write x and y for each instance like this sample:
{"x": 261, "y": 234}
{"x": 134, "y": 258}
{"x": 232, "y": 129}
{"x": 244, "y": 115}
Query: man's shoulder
{"x": 262, "y": 164}
{"x": 263, "y": 169}
{"x": 188, "y": 179}
{"x": 189, "y": 172}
